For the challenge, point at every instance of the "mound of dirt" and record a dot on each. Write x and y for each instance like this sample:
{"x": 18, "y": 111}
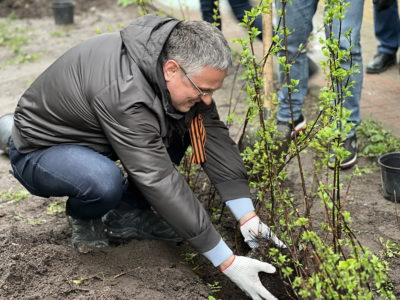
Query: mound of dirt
{"x": 39, "y": 264}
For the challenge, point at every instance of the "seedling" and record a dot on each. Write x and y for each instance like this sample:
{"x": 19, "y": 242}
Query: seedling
{"x": 56, "y": 207}
{"x": 189, "y": 258}
{"x": 390, "y": 248}
{"x": 376, "y": 140}
{"x": 214, "y": 287}
{"x": 30, "y": 221}
{"x": 14, "y": 197}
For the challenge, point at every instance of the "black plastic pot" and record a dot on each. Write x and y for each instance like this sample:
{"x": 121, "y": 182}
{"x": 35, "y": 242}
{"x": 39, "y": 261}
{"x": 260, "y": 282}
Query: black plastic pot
{"x": 63, "y": 12}
{"x": 390, "y": 171}
{"x": 6, "y": 123}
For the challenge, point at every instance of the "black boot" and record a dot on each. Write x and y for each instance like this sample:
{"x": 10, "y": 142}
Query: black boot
{"x": 87, "y": 234}
{"x": 381, "y": 62}
{"x": 350, "y": 145}
{"x": 138, "y": 224}
{"x": 286, "y": 131}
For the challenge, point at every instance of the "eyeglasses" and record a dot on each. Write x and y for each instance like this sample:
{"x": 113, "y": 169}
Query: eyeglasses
{"x": 201, "y": 93}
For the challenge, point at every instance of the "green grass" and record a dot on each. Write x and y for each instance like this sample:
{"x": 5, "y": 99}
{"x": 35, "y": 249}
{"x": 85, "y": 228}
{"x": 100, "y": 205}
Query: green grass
{"x": 14, "y": 197}
{"x": 375, "y": 141}
{"x": 14, "y": 39}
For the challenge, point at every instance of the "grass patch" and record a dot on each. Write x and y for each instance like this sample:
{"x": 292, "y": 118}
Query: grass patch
{"x": 375, "y": 140}
{"x": 10, "y": 197}
{"x": 14, "y": 39}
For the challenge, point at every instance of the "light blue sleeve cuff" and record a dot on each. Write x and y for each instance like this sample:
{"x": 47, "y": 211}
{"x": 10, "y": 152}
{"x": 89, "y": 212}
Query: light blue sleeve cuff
{"x": 240, "y": 207}
{"x": 219, "y": 253}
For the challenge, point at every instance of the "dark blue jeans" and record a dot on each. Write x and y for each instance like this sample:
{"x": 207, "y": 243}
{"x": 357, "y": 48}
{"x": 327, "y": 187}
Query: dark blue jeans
{"x": 93, "y": 183}
{"x": 299, "y": 17}
{"x": 387, "y": 29}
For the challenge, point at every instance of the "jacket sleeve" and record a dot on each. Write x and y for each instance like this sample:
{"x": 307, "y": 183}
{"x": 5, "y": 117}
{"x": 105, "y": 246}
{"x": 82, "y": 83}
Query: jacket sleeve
{"x": 134, "y": 133}
{"x": 223, "y": 164}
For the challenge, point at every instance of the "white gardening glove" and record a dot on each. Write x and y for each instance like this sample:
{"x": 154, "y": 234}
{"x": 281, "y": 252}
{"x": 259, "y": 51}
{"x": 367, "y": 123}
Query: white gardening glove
{"x": 253, "y": 229}
{"x": 243, "y": 271}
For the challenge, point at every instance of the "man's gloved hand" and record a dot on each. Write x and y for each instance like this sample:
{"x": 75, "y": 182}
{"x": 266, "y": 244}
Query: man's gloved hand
{"x": 243, "y": 271}
{"x": 382, "y": 4}
{"x": 252, "y": 229}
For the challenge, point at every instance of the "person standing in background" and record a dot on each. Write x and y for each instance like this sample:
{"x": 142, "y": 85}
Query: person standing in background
{"x": 210, "y": 9}
{"x": 299, "y": 15}
{"x": 387, "y": 32}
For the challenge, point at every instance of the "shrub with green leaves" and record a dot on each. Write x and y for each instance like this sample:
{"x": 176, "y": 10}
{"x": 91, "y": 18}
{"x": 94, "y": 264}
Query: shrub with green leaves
{"x": 325, "y": 259}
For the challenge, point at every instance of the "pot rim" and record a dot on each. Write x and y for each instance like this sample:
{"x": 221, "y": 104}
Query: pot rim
{"x": 381, "y": 160}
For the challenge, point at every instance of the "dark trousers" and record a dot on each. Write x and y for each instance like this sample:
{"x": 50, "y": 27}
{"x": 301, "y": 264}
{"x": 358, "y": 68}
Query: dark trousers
{"x": 387, "y": 29}
{"x": 93, "y": 183}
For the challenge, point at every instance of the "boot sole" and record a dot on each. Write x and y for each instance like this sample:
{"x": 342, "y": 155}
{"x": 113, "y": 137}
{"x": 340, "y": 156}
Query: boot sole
{"x": 346, "y": 165}
{"x": 87, "y": 247}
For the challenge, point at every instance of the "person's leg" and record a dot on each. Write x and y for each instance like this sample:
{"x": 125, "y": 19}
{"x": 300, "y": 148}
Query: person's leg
{"x": 239, "y": 7}
{"x": 299, "y": 21}
{"x": 133, "y": 218}
{"x": 95, "y": 187}
{"x": 91, "y": 181}
{"x": 208, "y": 10}
{"x": 352, "y": 20}
{"x": 387, "y": 29}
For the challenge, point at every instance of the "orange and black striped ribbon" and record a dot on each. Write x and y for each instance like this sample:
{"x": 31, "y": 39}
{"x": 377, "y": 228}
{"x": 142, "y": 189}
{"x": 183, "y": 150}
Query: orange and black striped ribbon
{"x": 198, "y": 139}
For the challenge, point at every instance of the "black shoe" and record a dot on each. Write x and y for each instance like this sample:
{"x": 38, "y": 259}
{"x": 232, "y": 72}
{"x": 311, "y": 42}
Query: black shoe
{"x": 380, "y": 63}
{"x": 138, "y": 224}
{"x": 87, "y": 234}
{"x": 350, "y": 145}
{"x": 286, "y": 132}
{"x": 290, "y": 131}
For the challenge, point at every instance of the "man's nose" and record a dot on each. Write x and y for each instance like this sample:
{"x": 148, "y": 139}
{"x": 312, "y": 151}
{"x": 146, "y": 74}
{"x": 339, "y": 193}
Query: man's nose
{"x": 207, "y": 99}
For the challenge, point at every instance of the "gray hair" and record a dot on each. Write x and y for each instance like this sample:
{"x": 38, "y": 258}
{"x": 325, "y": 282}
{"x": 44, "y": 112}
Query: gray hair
{"x": 196, "y": 44}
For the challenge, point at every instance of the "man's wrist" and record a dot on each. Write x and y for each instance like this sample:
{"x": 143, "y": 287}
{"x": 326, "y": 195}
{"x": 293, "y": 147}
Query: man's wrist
{"x": 218, "y": 254}
{"x": 239, "y": 207}
{"x": 225, "y": 264}
{"x": 250, "y": 215}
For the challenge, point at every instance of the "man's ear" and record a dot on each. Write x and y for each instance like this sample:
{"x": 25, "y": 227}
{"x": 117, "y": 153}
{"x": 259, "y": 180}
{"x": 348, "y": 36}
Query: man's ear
{"x": 170, "y": 69}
